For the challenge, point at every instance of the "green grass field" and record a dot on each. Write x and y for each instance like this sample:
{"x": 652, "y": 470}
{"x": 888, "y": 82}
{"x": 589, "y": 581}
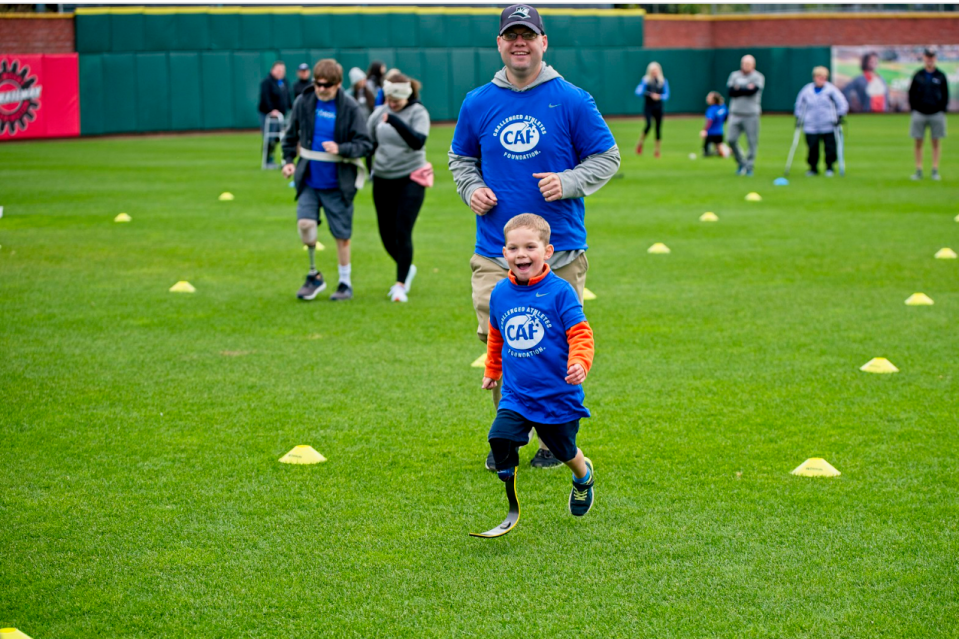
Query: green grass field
{"x": 141, "y": 494}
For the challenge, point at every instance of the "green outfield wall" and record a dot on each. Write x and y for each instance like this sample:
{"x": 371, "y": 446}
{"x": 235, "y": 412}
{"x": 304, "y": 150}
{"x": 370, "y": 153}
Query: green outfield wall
{"x": 177, "y": 69}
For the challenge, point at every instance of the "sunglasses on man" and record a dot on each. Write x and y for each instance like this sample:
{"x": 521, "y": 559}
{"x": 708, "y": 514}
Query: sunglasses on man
{"x": 529, "y": 36}
{"x": 324, "y": 85}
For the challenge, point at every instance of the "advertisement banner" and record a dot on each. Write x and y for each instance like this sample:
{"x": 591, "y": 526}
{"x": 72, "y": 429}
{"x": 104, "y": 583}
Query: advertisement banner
{"x": 39, "y": 96}
{"x": 876, "y": 79}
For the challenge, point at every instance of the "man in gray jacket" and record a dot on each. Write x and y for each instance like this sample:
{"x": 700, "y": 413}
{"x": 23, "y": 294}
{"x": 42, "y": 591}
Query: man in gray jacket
{"x": 528, "y": 142}
{"x": 745, "y": 106}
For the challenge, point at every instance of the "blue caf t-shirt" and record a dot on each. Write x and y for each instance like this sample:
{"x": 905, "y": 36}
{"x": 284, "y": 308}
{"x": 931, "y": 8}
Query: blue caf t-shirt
{"x": 533, "y": 321}
{"x": 717, "y": 113}
{"x": 322, "y": 175}
{"x": 547, "y": 129}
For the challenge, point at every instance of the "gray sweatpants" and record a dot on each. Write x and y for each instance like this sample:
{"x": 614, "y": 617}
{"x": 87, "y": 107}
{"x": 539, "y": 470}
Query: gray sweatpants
{"x": 748, "y": 124}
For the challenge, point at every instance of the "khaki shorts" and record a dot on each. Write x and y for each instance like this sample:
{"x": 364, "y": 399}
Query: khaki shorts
{"x": 487, "y": 273}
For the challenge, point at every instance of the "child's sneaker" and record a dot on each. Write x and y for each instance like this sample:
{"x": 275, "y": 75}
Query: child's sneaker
{"x": 639, "y": 148}
{"x": 935, "y": 175}
{"x": 581, "y": 497}
{"x": 917, "y": 175}
{"x": 544, "y": 459}
{"x": 491, "y": 462}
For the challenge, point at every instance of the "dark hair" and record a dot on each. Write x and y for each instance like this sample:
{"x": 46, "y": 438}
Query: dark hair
{"x": 375, "y": 72}
{"x": 865, "y": 60}
{"x": 330, "y": 69}
{"x": 396, "y": 76}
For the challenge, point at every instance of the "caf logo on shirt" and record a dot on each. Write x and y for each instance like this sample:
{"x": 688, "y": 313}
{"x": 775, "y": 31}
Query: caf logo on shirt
{"x": 524, "y": 332}
{"x": 519, "y": 135}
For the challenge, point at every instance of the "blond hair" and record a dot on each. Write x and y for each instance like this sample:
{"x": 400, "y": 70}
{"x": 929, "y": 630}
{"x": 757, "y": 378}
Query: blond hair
{"x": 528, "y": 221}
{"x": 820, "y": 71}
{"x": 653, "y": 66}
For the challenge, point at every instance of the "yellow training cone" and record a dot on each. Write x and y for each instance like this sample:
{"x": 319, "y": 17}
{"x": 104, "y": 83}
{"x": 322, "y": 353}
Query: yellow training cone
{"x": 123, "y": 217}
{"x": 945, "y": 254}
{"x": 12, "y": 633}
{"x": 753, "y": 197}
{"x": 919, "y": 299}
{"x": 319, "y": 247}
{"x": 588, "y": 294}
{"x": 879, "y": 365}
{"x": 708, "y": 216}
{"x": 480, "y": 362}
{"x": 816, "y": 467}
{"x": 226, "y": 196}
{"x": 955, "y": 218}
{"x": 659, "y": 248}
{"x": 182, "y": 287}
{"x": 302, "y": 454}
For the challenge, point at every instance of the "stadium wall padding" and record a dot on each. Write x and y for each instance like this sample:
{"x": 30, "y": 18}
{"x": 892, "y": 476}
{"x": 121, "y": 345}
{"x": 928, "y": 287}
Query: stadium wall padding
{"x": 185, "y": 71}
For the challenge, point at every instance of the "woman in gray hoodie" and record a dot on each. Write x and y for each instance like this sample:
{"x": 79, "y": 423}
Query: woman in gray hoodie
{"x": 399, "y": 129}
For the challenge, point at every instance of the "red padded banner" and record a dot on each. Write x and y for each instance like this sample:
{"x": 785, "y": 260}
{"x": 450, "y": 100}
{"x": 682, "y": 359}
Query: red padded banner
{"x": 39, "y": 96}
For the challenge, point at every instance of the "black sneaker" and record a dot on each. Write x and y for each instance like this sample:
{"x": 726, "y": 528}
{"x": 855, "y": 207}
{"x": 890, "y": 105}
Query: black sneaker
{"x": 311, "y": 288}
{"x": 490, "y": 462}
{"x": 343, "y": 292}
{"x": 544, "y": 459}
{"x": 581, "y": 497}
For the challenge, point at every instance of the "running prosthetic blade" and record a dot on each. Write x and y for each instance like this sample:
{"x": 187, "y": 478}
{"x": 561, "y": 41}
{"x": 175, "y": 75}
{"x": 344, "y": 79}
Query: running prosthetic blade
{"x": 512, "y": 516}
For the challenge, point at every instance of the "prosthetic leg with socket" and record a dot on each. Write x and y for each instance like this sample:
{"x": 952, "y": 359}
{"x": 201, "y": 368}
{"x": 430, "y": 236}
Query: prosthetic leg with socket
{"x": 314, "y": 279}
{"x": 506, "y": 453}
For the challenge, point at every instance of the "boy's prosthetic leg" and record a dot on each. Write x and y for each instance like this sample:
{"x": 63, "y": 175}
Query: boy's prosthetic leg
{"x": 505, "y": 451}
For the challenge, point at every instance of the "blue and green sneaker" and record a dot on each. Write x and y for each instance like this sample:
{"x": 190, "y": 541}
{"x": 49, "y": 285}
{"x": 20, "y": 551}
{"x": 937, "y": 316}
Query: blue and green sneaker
{"x": 581, "y": 497}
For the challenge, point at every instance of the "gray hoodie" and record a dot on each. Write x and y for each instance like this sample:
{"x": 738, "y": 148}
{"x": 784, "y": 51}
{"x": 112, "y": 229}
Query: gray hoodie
{"x": 585, "y": 179}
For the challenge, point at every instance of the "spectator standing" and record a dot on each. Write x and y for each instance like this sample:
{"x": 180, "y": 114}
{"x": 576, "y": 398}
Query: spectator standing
{"x": 821, "y": 106}
{"x": 655, "y": 89}
{"x": 274, "y": 101}
{"x": 327, "y": 126}
{"x": 528, "y": 142}
{"x": 745, "y": 106}
{"x": 928, "y": 100}
{"x": 401, "y": 173}
{"x": 360, "y": 90}
{"x": 304, "y": 80}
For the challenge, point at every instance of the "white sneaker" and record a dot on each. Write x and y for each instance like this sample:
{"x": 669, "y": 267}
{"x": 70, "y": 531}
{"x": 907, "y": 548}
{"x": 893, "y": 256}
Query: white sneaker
{"x": 409, "y": 277}
{"x": 398, "y": 293}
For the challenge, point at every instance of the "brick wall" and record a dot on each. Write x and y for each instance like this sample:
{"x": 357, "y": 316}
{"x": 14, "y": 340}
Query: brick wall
{"x": 37, "y": 35}
{"x": 727, "y": 32}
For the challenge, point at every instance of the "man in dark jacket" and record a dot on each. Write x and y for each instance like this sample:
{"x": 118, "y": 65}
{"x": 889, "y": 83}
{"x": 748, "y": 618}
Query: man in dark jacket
{"x": 304, "y": 80}
{"x": 328, "y": 132}
{"x": 928, "y": 99}
{"x": 274, "y": 101}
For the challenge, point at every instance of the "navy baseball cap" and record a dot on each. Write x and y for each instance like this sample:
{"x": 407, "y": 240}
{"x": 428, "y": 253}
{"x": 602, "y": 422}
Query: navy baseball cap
{"x": 930, "y": 52}
{"x": 520, "y": 14}
{"x": 303, "y": 67}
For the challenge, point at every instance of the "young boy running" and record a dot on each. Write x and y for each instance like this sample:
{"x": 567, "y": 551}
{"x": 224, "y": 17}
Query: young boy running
{"x": 541, "y": 345}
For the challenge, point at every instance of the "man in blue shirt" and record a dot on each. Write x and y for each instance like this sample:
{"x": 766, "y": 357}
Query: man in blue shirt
{"x": 528, "y": 142}
{"x": 327, "y": 130}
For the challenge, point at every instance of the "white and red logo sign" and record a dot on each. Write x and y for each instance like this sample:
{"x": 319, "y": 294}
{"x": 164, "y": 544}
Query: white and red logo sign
{"x": 39, "y": 96}
{"x": 19, "y": 96}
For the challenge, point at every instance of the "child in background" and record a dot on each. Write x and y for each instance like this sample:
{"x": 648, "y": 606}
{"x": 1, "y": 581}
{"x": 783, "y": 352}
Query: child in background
{"x": 712, "y": 132}
{"x": 547, "y": 353}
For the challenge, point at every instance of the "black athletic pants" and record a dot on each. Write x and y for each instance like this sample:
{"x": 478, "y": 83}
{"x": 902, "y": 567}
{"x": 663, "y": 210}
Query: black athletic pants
{"x": 829, "y": 141}
{"x": 654, "y": 112}
{"x": 398, "y": 202}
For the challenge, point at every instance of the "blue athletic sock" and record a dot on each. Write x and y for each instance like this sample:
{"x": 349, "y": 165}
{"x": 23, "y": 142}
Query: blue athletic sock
{"x": 584, "y": 480}
{"x": 505, "y": 474}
